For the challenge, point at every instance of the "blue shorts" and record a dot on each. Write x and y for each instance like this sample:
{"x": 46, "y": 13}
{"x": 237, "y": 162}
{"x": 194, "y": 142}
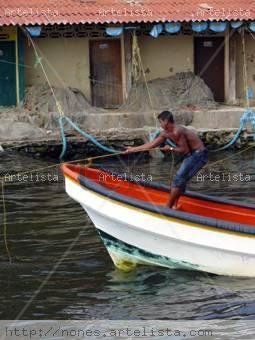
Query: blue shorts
{"x": 191, "y": 164}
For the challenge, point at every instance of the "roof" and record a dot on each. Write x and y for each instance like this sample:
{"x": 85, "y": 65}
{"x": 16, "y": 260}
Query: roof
{"x": 30, "y": 12}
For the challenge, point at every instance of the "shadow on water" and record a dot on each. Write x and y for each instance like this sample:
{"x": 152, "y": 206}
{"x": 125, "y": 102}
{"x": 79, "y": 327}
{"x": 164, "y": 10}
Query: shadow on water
{"x": 43, "y": 223}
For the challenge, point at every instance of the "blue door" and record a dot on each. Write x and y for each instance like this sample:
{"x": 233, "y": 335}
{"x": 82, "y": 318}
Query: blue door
{"x": 8, "y": 95}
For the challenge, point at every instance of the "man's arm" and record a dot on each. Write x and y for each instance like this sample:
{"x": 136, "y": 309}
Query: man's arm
{"x": 150, "y": 145}
{"x": 182, "y": 146}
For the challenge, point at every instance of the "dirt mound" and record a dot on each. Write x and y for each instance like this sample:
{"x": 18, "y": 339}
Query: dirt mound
{"x": 183, "y": 90}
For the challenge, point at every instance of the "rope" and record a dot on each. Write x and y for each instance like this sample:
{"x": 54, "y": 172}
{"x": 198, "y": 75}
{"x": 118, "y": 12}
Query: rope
{"x": 62, "y": 115}
{"x": 84, "y": 134}
{"x": 249, "y": 115}
{"x": 229, "y": 157}
{"x": 39, "y": 61}
{"x": 138, "y": 71}
{"x": 5, "y": 224}
{"x": 91, "y": 159}
{"x": 113, "y": 152}
{"x": 245, "y": 70}
{"x": 172, "y": 167}
{"x": 63, "y": 137}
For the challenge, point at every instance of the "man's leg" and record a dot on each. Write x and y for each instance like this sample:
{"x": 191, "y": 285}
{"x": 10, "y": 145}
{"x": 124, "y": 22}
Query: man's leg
{"x": 189, "y": 167}
{"x": 199, "y": 161}
{"x": 180, "y": 180}
{"x": 179, "y": 183}
{"x": 175, "y": 194}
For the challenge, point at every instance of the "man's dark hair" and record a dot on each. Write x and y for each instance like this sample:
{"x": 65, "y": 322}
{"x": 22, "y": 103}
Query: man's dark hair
{"x": 166, "y": 115}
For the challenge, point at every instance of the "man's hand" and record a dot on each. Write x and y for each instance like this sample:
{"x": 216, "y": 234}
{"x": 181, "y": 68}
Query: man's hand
{"x": 130, "y": 149}
{"x": 167, "y": 148}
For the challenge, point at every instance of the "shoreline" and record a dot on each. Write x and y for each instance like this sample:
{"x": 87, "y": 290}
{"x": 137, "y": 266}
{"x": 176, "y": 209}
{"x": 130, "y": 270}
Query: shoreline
{"x": 77, "y": 146}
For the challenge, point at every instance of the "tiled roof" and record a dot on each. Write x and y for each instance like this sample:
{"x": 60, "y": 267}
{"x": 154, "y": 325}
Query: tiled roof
{"x": 24, "y": 12}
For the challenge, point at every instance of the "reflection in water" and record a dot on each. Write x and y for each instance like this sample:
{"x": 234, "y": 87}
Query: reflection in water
{"x": 43, "y": 222}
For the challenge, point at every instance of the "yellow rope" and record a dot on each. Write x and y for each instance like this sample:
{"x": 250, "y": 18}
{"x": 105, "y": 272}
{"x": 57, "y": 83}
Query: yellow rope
{"x": 39, "y": 61}
{"x": 138, "y": 70}
{"x": 230, "y": 157}
{"x": 136, "y": 66}
{"x": 5, "y": 224}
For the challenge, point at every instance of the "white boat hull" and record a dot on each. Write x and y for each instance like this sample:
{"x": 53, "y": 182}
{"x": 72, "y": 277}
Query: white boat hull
{"x": 135, "y": 236}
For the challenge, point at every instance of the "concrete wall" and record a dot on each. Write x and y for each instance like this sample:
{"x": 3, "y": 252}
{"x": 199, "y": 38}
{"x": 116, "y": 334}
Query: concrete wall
{"x": 66, "y": 63}
{"x": 166, "y": 55}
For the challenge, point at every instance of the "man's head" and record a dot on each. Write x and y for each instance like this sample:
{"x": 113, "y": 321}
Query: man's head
{"x": 166, "y": 120}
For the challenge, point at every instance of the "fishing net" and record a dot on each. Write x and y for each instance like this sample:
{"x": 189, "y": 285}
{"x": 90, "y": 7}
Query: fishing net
{"x": 183, "y": 90}
{"x": 39, "y": 98}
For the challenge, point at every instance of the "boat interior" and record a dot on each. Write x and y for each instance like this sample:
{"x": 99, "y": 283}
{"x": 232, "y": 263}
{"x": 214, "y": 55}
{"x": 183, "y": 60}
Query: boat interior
{"x": 230, "y": 212}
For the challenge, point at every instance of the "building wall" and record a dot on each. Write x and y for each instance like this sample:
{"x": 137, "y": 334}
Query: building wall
{"x": 66, "y": 62}
{"x": 166, "y": 55}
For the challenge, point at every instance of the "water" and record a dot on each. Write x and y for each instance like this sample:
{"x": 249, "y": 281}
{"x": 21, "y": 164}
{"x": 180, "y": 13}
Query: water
{"x": 61, "y": 270}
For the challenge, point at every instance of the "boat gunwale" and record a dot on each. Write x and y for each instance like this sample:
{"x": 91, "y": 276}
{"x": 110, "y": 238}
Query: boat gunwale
{"x": 188, "y": 193}
{"x": 160, "y": 210}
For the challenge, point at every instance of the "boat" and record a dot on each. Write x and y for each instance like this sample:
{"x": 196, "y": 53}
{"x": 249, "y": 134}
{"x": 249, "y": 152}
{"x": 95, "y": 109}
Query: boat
{"x": 206, "y": 233}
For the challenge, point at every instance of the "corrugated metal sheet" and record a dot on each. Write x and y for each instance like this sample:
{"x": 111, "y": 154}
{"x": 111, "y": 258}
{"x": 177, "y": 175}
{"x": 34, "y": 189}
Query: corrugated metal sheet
{"x": 25, "y": 12}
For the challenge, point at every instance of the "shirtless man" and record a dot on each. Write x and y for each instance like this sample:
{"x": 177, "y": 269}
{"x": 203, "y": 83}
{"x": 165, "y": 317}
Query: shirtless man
{"x": 188, "y": 144}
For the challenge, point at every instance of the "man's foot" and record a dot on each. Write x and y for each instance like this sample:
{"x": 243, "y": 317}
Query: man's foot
{"x": 174, "y": 207}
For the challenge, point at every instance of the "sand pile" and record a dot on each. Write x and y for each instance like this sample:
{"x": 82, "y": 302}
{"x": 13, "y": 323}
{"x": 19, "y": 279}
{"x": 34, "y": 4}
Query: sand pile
{"x": 183, "y": 90}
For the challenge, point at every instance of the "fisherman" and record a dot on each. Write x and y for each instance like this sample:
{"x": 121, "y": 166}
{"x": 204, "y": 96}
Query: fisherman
{"x": 188, "y": 144}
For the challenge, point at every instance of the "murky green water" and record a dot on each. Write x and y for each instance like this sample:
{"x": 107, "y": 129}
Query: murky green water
{"x": 61, "y": 270}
